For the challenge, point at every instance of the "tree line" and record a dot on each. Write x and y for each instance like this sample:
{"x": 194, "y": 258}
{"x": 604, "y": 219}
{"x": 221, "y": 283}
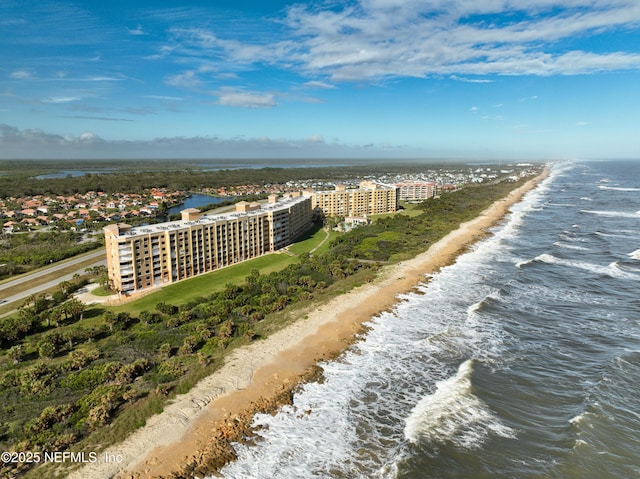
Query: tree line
{"x": 19, "y": 183}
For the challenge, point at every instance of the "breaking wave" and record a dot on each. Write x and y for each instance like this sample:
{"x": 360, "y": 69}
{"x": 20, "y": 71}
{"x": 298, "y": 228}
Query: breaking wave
{"x": 454, "y": 414}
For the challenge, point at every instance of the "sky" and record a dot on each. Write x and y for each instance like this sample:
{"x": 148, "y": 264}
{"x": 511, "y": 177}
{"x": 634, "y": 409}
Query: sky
{"x": 481, "y": 79}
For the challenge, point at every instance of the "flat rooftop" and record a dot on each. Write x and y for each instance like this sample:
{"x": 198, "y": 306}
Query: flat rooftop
{"x": 207, "y": 219}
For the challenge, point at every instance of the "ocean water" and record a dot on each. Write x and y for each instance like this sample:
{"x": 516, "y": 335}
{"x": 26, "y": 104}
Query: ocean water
{"x": 521, "y": 360}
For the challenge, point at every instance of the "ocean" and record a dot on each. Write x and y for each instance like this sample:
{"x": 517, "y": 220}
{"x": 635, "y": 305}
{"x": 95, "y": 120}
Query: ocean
{"x": 521, "y": 360}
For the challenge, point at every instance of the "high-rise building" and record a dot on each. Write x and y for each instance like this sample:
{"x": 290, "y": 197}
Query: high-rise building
{"x": 416, "y": 190}
{"x": 370, "y": 199}
{"x": 145, "y": 256}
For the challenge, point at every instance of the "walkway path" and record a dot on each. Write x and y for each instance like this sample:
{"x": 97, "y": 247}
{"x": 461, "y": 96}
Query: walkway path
{"x": 326, "y": 237}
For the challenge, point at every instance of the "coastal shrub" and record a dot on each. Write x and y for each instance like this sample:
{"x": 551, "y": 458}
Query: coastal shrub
{"x": 166, "y": 308}
{"x": 9, "y": 379}
{"x": 13, "y": 328}
{"x": 50, "y": 345}
{"x": 42, "y": 248}
{"x": 165, "y": 349}
{"x": 91, "y": 377}
{"x": 49, "y": 416}
{"x": 128, "y": 372}
{"x": 171, "y": 369}
{"x": 106, "y": 394}
{"x": 16, "y": 353}
{"x": 189, "y": 345}
{"x": 80, "y": 358}
{"x": 145, "y": 317}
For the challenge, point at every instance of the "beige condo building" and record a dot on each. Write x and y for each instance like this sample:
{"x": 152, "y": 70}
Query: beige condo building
{"x": 141, "y": 257}
{"x": 370, "y": 199}
{"x": 417, "y": 190}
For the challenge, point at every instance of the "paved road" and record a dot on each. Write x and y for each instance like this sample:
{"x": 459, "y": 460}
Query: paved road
{"x": 97, "y": 255}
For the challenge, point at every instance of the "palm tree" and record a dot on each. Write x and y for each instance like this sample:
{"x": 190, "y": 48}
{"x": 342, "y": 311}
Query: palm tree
{"x": 64, "y": 287}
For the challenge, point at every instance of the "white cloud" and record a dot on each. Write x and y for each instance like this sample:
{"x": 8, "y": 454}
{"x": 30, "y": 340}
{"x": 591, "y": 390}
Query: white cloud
{"x": 474, "y": 108}
{"x": 65, "y": 99}
{"x": 371, "y": 39}
{"x": 315, "y": 139}
{"x": 493, "y": 118}
{"x": 32, "y": 138}
{"x": 96, "y": 118}
{"x": 319, "y": 84}
{"x": 136, "y": 31}
{"x": 227, "y": 76}
{"x": 470, "y": 80}
{"x": 245, "y": 99}
{"x": 164, "y": 97}
{"x": 21, "y": 75}
{"x": 16, "y": 144}
{"x": 186, "y": 79}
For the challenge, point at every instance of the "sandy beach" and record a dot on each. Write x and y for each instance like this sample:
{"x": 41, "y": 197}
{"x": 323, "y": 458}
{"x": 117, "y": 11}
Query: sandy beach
{"x": 255, "y": 377}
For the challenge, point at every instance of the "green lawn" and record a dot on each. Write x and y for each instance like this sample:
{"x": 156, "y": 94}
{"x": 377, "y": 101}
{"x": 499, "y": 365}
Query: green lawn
{"x": 409, "y": 209}
{"x": 309, "y": 241}
{"x": 206, "y": 284}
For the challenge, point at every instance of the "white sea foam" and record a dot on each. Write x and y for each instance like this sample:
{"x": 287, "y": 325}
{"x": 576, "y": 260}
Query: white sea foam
{"x": 613, "y": 214}
{"x": 578, "y": 419}
{"x": 524, "y": 262}
{"x": 453, "y": 413}
{"x": 635, "y": 254}
{"x": 612, "y": 269}
{"x": 626, "y": 270}
{"x": 612, "y": 235}
{"x": 564, "y": 245}
{"x": 617, "y": 188}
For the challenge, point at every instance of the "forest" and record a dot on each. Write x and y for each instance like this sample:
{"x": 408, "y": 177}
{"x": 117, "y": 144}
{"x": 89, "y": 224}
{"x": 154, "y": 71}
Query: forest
{"x": 136, "y": 177}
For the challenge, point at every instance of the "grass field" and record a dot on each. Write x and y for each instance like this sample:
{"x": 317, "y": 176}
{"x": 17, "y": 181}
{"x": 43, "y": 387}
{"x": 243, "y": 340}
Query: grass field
{"x": 409, "y": 209}
{"x": 206, "y": 284}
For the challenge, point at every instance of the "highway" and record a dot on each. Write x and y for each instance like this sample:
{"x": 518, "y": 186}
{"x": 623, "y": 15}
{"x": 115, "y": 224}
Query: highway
{"x": 98, "y": 255}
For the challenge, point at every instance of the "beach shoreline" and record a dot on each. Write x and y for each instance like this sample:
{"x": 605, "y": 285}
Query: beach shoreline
{"x": 194, "y": 432}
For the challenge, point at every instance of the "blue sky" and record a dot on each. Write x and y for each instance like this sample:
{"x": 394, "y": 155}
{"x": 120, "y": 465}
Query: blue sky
{"x": 522, "y": 79}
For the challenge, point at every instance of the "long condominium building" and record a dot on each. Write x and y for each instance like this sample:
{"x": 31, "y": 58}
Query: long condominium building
{"x": 370, "y": 199}
{"x": 141, "y": 257}
{"x": 417, "y": 190}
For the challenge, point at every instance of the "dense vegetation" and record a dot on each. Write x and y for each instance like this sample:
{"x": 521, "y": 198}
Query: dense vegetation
{"x": 67, "y": 371}
{"x": 24, "y": 251}
{"x": 23, "y": 183}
